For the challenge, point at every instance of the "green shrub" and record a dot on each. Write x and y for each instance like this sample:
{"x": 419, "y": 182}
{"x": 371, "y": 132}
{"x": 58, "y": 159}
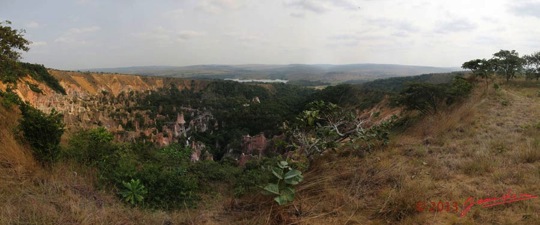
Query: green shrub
{"x": 210, "y": 171}
{"x": 134, "y": 192}
{"x": 428, "y": 98}
{"x": 9, "y": 98}
{"x": 254, "y": 176}
{"x": 40, "y": 73}
{"x": 168, "y": 187}
{"x": 286, "y": 179}
{"x": 43, "y": 133}
{"x": 34, "y": 88}
{"x": 90, "y": 147}
{"x": 423, "y": 97}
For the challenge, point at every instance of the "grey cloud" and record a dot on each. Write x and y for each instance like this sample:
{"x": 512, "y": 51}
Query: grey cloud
{"x": 456, "y": 25}
{"x": 32, "y": 24}
{"x": 401, "y": 26}
{"x": 166, "y": 35}
{"x": 76, "y": 35}
{"x": 189, "y": 34}
{"x": 297, "y": 15}
{"x": 322, "y": 6}
{"x": 216, "y": 6}
{"x": 353, "y": 39}
{"x": 345, "y": 4}
{"x": 38, "y": 43}
{"x": 313, "y": 6}
{"x": 526, "y": 9}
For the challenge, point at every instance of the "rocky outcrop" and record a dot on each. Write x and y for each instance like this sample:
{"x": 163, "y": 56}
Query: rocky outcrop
{"x": 255, "y": 145}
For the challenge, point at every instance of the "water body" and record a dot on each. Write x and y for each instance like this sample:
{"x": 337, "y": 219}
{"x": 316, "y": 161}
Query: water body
{"x": 258, "y": 80}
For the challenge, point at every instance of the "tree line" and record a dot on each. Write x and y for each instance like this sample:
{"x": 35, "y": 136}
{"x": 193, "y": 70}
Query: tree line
{"x": 506, "y": 63}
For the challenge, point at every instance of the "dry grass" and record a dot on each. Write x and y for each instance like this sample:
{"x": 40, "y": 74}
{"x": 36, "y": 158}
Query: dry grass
{"x": 479, "y": 149}
{"x": 14, "y": 157}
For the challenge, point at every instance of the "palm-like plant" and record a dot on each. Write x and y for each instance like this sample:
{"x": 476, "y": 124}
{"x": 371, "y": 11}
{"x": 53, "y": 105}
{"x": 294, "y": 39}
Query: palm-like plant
{"x": 134, "y": 192}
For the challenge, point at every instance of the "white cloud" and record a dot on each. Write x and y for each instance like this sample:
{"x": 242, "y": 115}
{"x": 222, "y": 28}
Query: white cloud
{"x": 529, "y": 8}
{"x": 321, "y": 6}
{"x": 38, "y": 43}
{"x": 84, "y": 30}
{"x": 298, "y": 15}
{"x": 313, "y": 6}
{"x": 158, "y": 34}
{"x": 216, "y": 6}
{"x": 32, "y": 24}
{"x": 76, "y": 35}
{"x": 163, "y": 35}
{"x": 189, "y": 34}
{"x": 455, "y": 25}
{"x": 245, "y": 37}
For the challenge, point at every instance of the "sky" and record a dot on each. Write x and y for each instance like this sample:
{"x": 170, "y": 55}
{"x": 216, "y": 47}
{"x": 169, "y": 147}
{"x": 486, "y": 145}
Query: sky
{"x": 82, "y": 34}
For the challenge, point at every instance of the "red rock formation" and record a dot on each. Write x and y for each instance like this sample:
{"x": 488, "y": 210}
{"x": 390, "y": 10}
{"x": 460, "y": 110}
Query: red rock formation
{"x": 255, "y": 145}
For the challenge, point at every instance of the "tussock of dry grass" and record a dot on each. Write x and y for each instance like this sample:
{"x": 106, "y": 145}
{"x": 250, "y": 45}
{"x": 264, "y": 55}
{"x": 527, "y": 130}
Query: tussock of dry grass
{"x": 13, "y": 155}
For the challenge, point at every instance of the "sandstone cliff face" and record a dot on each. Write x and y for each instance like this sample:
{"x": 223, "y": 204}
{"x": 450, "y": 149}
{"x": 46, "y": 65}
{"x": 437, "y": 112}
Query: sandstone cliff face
{"x": 106, "y": 100}
{"x": 93, "y": 83}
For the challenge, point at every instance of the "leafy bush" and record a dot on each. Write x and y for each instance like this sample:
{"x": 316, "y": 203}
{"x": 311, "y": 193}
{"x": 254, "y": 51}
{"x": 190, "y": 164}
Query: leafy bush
{"x": 210, "y": 171}
{"x": 428, "y": 98}
{"x": 34, "y": 88}
{"x": 286, "y": 179}
{"x": 423, "y": 97}
{"x": 254, "y": 176}
{"x": 459, "y": 89}
{"x": 43, "y": 132}
{"x": 168, "y": 187}
{"x": 9, "y": 98}
{"x": 134, "y": 192}
{"x": 90, "y": 147}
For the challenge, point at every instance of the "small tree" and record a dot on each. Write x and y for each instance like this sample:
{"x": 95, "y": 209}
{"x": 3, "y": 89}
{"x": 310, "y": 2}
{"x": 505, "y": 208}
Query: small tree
{"x": 11, "y": 40}
{"x": 508, "y": 63}
{"x": 423, "y": 97}
{"x": 481, "y": 68}
{"x": 532, "y": 66}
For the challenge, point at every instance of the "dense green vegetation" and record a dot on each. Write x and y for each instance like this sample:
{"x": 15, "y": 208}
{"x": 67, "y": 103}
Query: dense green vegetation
{"x": 11, "y": 42}
{"x": 238, "y": 109}
{"x": 40, "y": 73}
{"x": 43, "y": 132}
{"x": 164, "y": 178}
{"x": 426, "y": 97}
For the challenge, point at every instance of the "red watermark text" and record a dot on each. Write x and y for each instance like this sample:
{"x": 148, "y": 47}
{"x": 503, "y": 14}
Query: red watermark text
{"x": 454, "y": 207}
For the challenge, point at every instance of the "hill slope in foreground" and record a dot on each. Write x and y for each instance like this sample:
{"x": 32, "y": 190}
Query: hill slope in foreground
{"x": 485, "y": 148}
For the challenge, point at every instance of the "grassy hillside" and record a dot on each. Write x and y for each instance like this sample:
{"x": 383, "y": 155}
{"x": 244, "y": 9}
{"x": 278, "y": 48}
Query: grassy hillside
{"x": 483, "y": 148}
{"x": 15, "y": 158}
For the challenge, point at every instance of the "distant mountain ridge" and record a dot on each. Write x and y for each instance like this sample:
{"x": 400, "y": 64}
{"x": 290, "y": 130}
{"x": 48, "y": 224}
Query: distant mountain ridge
{"x": 328, "y": 73}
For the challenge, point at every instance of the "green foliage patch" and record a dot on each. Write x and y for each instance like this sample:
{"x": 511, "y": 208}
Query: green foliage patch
{"x": 43, "y": 132}
{"x": 40, "y": 73}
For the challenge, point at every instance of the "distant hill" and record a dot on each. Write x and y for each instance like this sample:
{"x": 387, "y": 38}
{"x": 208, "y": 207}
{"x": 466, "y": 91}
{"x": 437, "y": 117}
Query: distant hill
{"x": 294, "y": 72}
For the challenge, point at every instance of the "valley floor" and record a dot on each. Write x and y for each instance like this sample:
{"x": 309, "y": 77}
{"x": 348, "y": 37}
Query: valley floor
{"x": 484, "y": 148}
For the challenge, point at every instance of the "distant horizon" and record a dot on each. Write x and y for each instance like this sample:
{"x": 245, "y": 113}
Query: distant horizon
{"x": 262, "y": 64}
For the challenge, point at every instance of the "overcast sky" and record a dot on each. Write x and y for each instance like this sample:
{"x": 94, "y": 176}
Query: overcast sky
{"x": 79, "y": 34}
